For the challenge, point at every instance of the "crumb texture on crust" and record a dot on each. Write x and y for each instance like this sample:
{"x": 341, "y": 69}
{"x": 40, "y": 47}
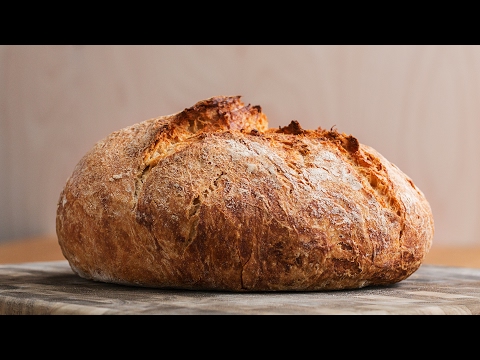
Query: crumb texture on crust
{"x": 210, "y": 198}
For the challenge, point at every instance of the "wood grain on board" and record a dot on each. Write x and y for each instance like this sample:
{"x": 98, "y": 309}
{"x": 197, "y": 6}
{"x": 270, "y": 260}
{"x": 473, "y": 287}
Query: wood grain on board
{"x": 52, "y": 288}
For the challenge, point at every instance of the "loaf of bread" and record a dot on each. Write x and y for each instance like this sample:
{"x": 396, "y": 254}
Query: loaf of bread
{"x": 210, "y": 198}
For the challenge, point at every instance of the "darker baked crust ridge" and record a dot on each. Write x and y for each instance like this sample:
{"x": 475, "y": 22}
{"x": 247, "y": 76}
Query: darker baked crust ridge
{"x": 167, "y": 137}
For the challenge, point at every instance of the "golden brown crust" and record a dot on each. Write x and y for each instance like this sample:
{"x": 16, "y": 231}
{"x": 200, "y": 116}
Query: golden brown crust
{"x": 210, "y": 198}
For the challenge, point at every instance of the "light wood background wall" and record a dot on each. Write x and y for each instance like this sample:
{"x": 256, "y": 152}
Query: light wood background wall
{"x": 418, "y": 105}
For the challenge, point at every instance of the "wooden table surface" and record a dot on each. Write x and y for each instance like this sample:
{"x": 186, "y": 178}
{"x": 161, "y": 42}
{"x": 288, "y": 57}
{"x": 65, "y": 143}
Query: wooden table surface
{"x": 45, "y": 248}
{"x": 51, "y": 288}
{"x": 35, "y": 279}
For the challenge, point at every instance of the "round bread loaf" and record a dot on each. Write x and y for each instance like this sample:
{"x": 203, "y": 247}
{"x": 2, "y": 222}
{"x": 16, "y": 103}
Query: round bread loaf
{"x": 211, "y": 199}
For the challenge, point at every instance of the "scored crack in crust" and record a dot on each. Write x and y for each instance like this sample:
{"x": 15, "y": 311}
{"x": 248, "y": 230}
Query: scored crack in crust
{"x": 210, "y": 198}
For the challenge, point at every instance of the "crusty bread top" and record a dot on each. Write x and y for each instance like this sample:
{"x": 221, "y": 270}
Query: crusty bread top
{"x": 210, "y": 198}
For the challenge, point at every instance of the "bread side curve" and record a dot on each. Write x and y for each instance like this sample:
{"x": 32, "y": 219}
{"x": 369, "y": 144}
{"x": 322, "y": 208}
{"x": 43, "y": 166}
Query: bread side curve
{"x": 209, "y": 198}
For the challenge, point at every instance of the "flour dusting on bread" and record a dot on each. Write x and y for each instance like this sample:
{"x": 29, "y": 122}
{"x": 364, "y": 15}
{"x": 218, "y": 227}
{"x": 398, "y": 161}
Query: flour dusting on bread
{"x": 210, "y": 198}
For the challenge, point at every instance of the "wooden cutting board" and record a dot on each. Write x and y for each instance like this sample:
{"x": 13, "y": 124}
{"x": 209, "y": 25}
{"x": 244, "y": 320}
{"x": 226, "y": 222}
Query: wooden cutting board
{"x": 52, "y": 288}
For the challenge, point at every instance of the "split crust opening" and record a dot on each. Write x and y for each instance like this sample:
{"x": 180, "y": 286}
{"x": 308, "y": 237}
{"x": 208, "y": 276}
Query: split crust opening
{"x": 220, "y": 201}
